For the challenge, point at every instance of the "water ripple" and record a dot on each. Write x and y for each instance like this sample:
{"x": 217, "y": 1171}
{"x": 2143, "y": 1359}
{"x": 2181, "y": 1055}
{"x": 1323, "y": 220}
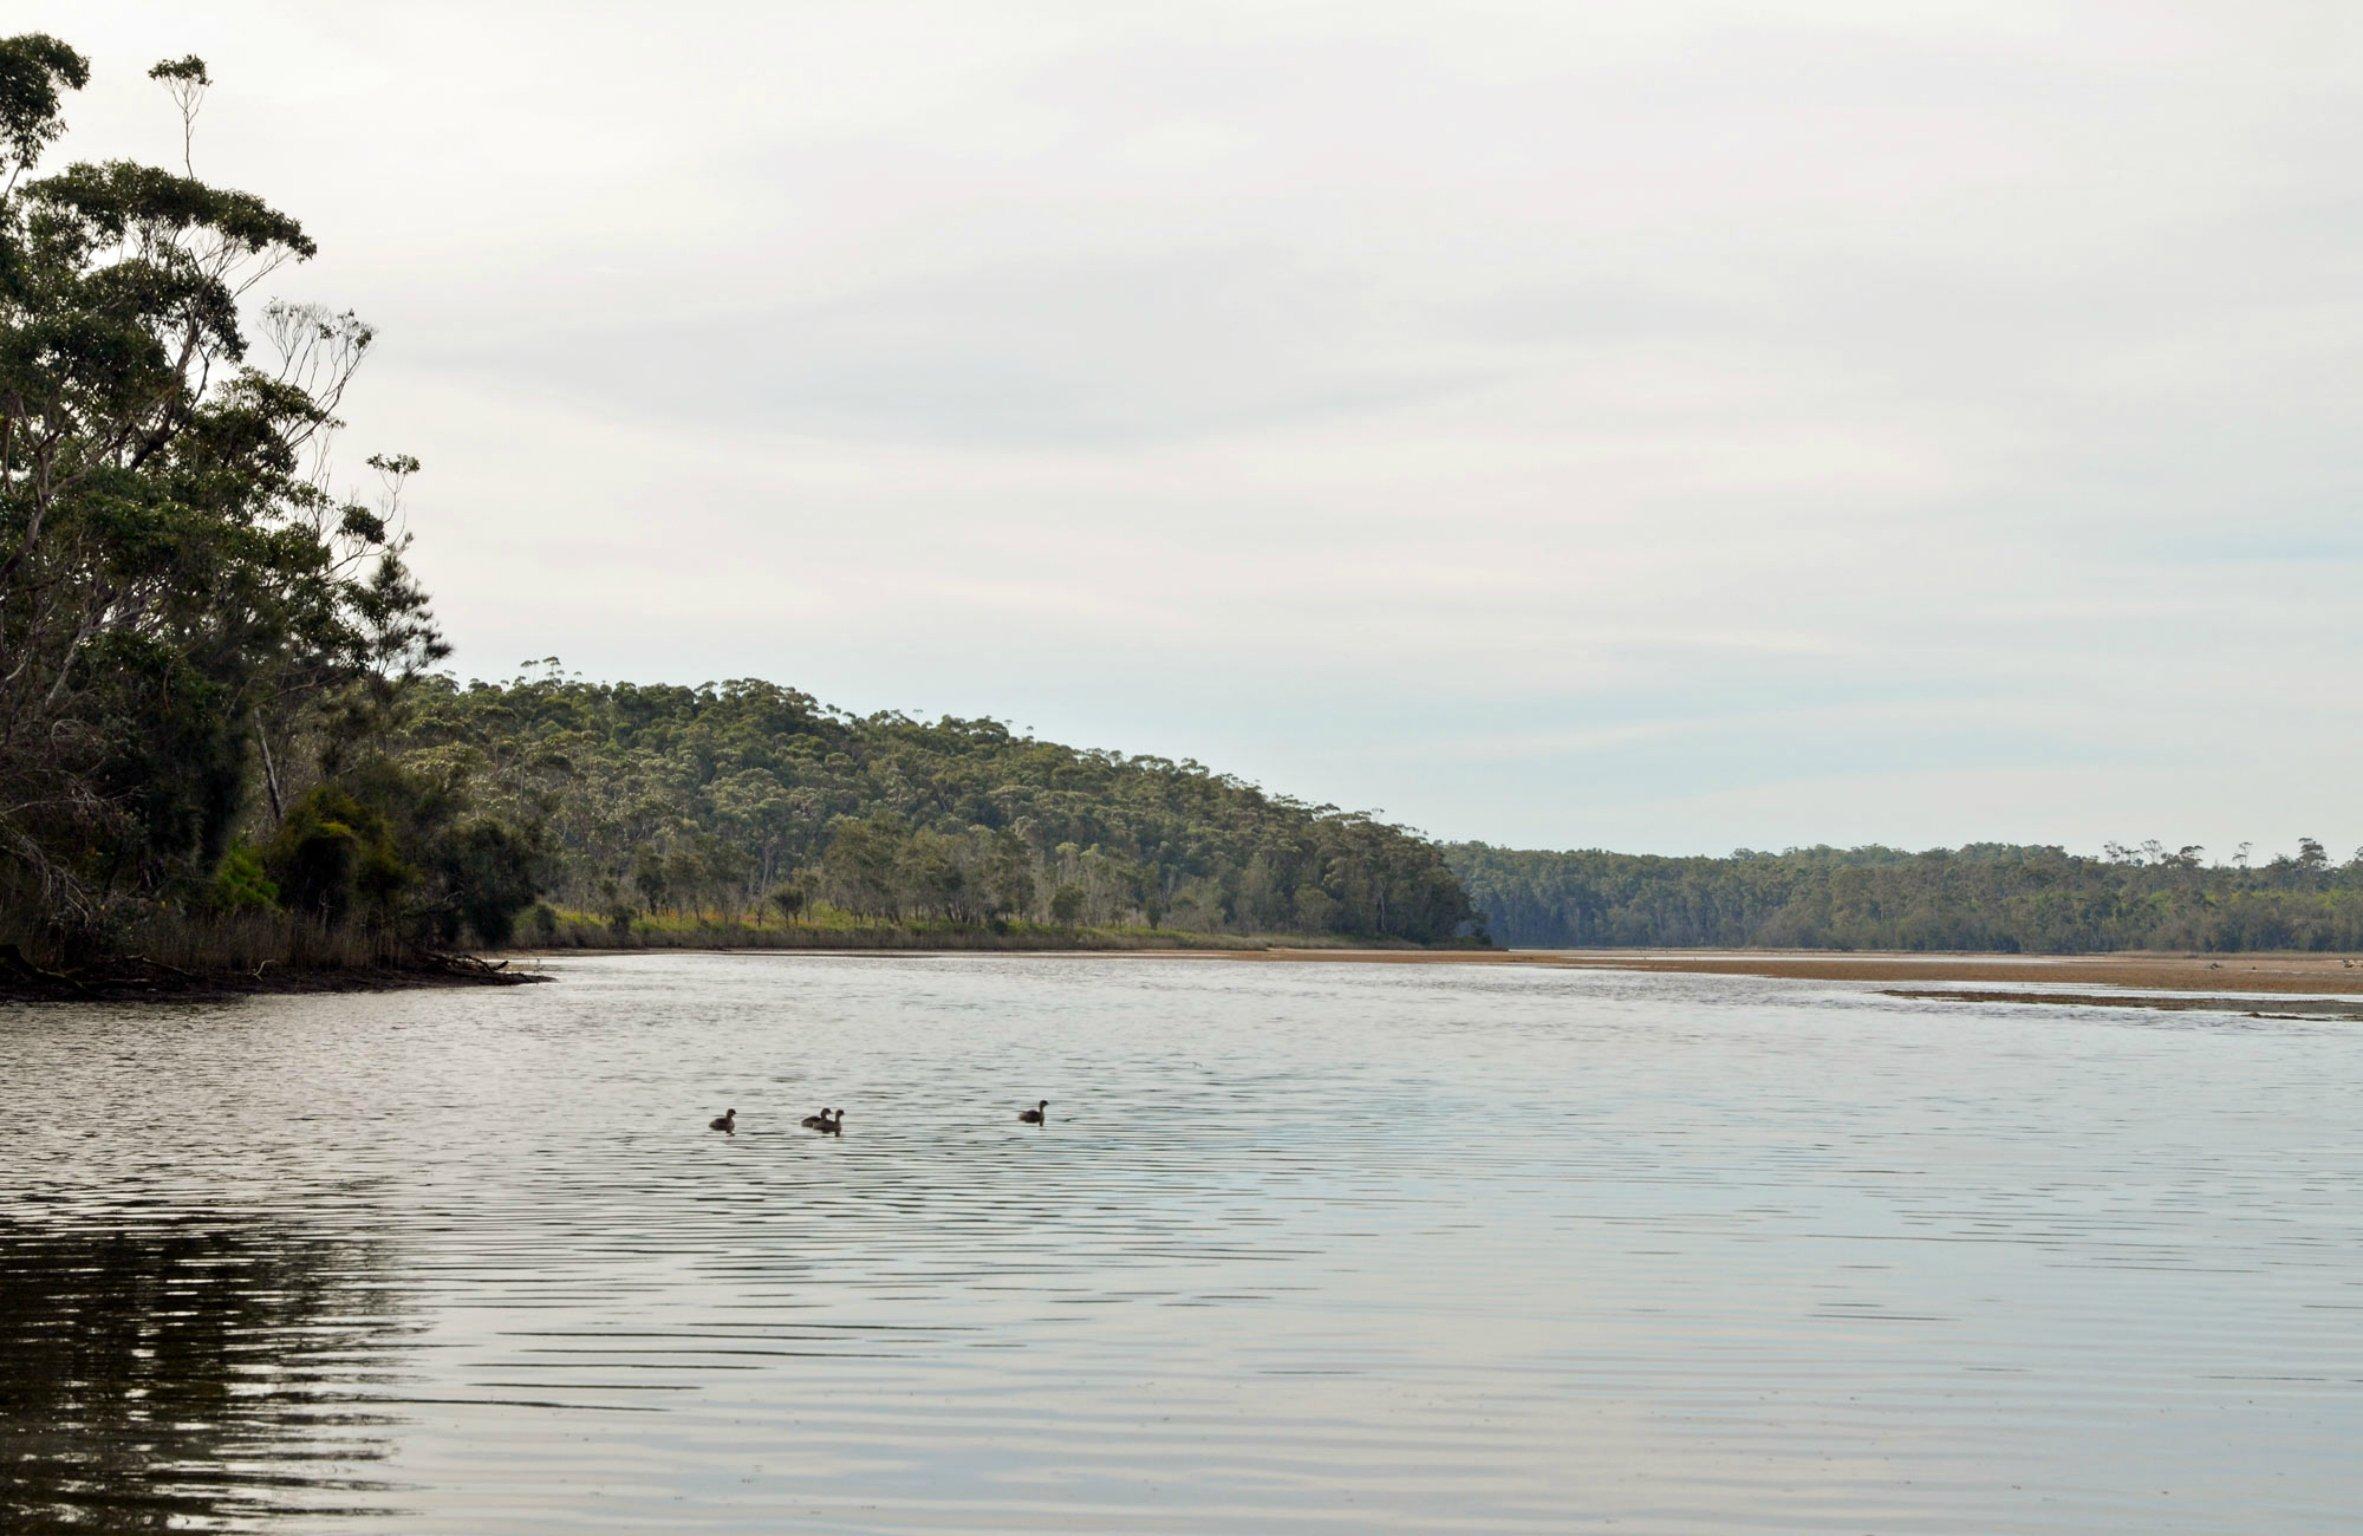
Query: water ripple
{"x": 1312, "y": 1248}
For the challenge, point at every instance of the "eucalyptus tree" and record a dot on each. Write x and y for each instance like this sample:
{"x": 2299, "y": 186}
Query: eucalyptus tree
{"x": 179, "y": 582}
{"x": 706, "y": 798}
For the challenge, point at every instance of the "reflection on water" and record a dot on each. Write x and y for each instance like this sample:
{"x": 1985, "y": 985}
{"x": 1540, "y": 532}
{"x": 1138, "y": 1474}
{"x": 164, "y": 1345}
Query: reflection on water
{"x": 183, "y": 1377}
{"x": 1317, "y": 1248}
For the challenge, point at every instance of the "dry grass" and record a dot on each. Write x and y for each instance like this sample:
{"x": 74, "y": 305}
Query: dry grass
{"x": 835, "y": 931}
{"x": 251, "y": 941}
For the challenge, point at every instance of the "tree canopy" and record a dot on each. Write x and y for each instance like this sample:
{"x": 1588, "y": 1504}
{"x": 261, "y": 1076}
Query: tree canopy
{"x": 1987, "y": 896}
{"x": 189, "y": 606}
{"x": 729, "y": 798}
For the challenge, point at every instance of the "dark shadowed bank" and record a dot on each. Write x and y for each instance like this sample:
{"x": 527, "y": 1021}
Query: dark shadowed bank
{"x": 119, "y": 977}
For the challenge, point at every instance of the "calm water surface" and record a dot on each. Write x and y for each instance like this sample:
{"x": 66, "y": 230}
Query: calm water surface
{"x": 1304, "y": 1248}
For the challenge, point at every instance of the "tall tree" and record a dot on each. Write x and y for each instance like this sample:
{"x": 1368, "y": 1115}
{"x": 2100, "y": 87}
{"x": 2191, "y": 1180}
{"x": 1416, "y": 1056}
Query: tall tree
{"x": 178, "y": 581}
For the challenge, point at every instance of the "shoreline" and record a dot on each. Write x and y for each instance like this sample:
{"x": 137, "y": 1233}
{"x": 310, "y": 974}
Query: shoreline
{"x": 2231, "y": 982}
{"x": 2261, "y": 984}
{"x": 2264, "y": 984}
{"x": 2222, "y": 973}
{"x": 887, "y": 939}
{"x": 134, "y": 981}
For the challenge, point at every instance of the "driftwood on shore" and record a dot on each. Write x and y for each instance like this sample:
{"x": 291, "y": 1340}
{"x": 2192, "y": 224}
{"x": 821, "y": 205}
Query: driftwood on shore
{"x": 116, "y": 977}
{"x": 17, "y": 971}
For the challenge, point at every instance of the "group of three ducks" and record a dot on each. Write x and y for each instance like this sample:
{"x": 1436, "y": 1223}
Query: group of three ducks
{"x": 833, "y": 1121}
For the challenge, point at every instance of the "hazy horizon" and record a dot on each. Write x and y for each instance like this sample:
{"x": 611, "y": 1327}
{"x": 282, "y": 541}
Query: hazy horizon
{"x": 1669, "y": 430}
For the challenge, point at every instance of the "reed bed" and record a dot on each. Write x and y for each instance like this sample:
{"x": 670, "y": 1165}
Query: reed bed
{"x": 831, "y": 930}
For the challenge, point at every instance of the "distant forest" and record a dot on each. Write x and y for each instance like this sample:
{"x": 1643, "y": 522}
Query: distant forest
{"x": 1987, "y": 896}
{"x": 751, "y": 800}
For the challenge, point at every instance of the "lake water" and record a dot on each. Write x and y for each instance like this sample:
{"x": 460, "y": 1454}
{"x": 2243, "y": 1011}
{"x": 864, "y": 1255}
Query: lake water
{"x": 1303, "y": 1248}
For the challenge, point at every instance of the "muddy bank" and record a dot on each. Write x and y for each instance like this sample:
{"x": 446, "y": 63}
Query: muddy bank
{"x": 2255, "y": 1008}
{"x": 2333, "y": 974}
{"x": 132, "y": 978}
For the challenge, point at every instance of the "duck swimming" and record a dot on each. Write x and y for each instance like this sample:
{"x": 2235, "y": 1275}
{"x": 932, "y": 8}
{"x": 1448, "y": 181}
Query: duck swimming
{"x": 819, "y": 1122}
{"x": 1038, "y": 1115}
{"x": 726, "y": 1121}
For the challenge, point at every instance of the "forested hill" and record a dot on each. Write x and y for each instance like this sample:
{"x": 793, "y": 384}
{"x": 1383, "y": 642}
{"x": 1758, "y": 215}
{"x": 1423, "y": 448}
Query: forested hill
{"x": 224, "y": 746}
{"x": 1987, "y": 896}
{"x": 754, "y": 798}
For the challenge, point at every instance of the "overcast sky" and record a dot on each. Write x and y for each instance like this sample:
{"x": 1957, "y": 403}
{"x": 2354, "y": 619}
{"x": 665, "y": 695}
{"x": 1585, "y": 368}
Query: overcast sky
{"x": 1668, "y": 426}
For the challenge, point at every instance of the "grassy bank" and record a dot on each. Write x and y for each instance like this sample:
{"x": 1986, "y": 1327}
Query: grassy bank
{"x": 827, "y": 928}
{"x": 182, "y": 955}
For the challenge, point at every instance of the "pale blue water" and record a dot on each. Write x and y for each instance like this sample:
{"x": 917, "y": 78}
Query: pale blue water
{"x": 1304, "y": 1248}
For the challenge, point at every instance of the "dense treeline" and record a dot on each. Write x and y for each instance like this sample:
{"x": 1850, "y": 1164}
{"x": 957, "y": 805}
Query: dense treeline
{"x": 1988, "y": 896}
{"x": 202, "y": 640}
{"x": 751, "y": 798}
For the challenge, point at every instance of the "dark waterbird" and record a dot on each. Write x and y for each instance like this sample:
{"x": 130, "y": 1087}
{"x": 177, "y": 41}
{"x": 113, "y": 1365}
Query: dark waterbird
{"x": 1038, "y": 1115}
{"x": 834, "y": 1126}
{"x": 819, "y": 1122}
{"x": 726, "y": 1121}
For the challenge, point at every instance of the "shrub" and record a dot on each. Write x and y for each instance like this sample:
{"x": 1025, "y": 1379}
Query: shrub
{"x": 240, "y": 883}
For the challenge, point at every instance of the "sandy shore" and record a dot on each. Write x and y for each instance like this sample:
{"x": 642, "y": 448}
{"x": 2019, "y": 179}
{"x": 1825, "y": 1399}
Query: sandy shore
{"x": 2191, "y": 981}
{"x": 2340, "y": 974}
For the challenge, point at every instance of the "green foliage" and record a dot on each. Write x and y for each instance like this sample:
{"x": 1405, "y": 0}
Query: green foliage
{"x": 188, "y": 69}
{"x": 703, "y": 800}
{"x": 486, "y": 873}
{"x": 241, "y": 884}
{"x": 197, "y": 635}
{"x": 396, "y": 849}
{"x": 35, "y": 71}
{"x": 335, "y": 858}
{"x": 1987, "y": 896}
